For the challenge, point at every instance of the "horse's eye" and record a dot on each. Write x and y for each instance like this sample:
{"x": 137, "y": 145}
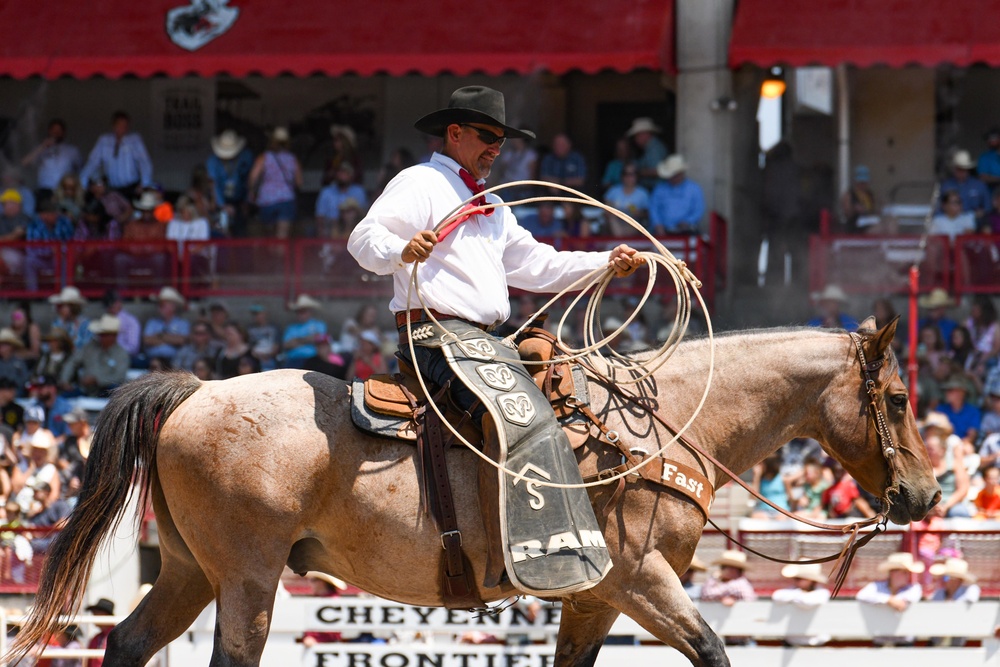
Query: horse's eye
{"x": 899, "y": 400}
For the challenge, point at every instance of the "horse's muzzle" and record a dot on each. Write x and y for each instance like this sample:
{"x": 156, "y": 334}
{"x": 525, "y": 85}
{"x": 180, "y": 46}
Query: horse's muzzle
{"x": 912, "y": 505}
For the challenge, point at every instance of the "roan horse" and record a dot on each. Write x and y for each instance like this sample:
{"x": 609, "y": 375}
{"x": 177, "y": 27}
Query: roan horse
{"x": 258, "y": 471}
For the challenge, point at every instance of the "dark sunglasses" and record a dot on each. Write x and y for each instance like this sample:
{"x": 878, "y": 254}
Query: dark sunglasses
{"x": 485, "y": 136}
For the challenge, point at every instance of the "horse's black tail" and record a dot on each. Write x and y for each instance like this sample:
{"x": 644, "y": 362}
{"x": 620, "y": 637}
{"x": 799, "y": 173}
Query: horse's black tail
{"x": 122, "y": 456}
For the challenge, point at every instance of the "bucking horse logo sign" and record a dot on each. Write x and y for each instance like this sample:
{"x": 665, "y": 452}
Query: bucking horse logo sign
{"x": 196, "y": 25}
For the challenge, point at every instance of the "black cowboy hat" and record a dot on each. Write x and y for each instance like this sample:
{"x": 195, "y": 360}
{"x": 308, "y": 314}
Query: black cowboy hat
{"x": 471, "y": 104}
{"x": 103, "y": 606}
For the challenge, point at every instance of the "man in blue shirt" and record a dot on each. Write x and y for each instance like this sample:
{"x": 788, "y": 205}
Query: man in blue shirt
{"x": 123, "y": 158}
{"x": 229, "y": 168}
{"x": 964, "y": 416}
{"x": 54, "y": 157}
{"x": 677, "y": 204}
{"x": 332, "y": 197}
{"x": 163, "y": 336}
{"x": 563, "y": 165}
{"x": 974, "y": 193}
{"x": 47, "y": 226}
{"x": 300, "y": 337}
{"x": 652, "y": 151}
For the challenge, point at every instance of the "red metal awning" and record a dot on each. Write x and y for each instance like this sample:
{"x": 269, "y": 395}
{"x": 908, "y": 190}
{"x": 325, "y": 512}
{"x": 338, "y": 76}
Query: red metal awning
{"x": 114, "y": 38}
{"x": 866, "y": 32}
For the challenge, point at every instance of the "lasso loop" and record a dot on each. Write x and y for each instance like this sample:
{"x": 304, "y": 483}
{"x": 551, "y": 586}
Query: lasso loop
{"x": 619, "y": 368}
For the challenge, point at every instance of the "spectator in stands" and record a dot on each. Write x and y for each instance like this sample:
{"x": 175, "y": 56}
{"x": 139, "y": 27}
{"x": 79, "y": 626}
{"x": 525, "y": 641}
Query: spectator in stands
{"x": 768, "y": 482}
{"x": 990, "y": 422}
{"x": 47, "y": 226}
{"x": 11, "y": 179}
{"x": 988, "y": 499}
{"x": 931, "y": 345}
{"x": 840, "y": 499}
{"x": 13, "y": 226}
{"x": 953, "y": 583}
{"x": 963, "y": 415}
{"x": 972, "y": 192}
{"x": 75, "y": 448}
{"x": 563, "y": 165}
{"x": 201, "y": 192}
{"x": 897, "y": 591}
{"x": 54, "y": 158}
{"x": 264, "y": 338}
{"x": 12, "y": 367}
{"x": 953, "y": 478}
{"x": 629, "y": 198}
{"x": 13, "y": 546}
{"x": 129, "y": 329}
{"x": 806, "y": 489}
{"x": 58, "y": 350}
{"x": 28, "y": 331}
{"x": 808, "y": 593}
{"x": 342, "y": 189}
{"x": 103, "y": 607}
{"x": 44, "y": 393}
{"x": 677, "y": 203}
{"x": 829, "y": 306}
{"x": 163, "y": 336}
{"x": 275, "y": 178}
{"x": 203, "y": 369}
{"x": 188, "y": 225}
{"x": 345, "y": 151}
{"x": 730, "y": 584}
{"x": 650, "y": 149}
{"x": 687, "y": 579}
{"x": 122, "y": 157}
{"x": 200, "y": 346}
{"x": 69, "y": 197}
{"x": 613, "y": 169}
{"x": 988, "y": 164}
{"x": 543, "y": 223}
{"x": 326, "y": 360}
{"x": 368, "y": 359}
{"x": 105, "y": 213}
{"x": 952, "y": 220}
{"x": 217, "y": 319}
{"x": 299, "y": 339}
{"x": 11, "y": 412}
{"x": 102, "y": 364}
{"x": 69, "y": 303}
{"x": 39, "y": 446}
{"x": 52, "y": 512}
{"x": 68, "y": 638}
{"x": 234, "y": 348}
{"x": 517, "y": 162}
{"x": 365, "y": 319}
{"x": 961, "y": 352}
{"x": 858, "y": 207}
{"x": 229, "y": 168}
{"x": 984, "y": 329}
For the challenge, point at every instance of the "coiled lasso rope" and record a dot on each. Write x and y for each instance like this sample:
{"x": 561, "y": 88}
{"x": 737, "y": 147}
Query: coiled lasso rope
{"x": 620, "y": 368}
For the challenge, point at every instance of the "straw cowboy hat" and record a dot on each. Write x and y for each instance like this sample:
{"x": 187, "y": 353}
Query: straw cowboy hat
{"x": 808, "y": 571}
{"x": 228, "y": 145}
{"x": 471, "y": 104}
{"x": 280, "y": 134}
{"x": 901, "y": 561}
{"x": 68, "y": 294}
{"x": 938, "y": 298}
{"x": 8, "y": 336}
{"x": 43, "y": 439}
{"x": 672, "y": 166}
{"x": 107, "y": 324}
{"x": 169, "y": 294}
{"x": 304, "y": 301}
{"x": 339, "y": 584}
{"x": 830, "y": 293}
{"x": 732, "y": 558}
{"x": 643, "y": 124}
{"x": 697, "y": 565}
{"x": 346, "y": 132}
{"x": 963, "y": 160}
{"x": 938, "y": 420}
{"x": 954, "y": 567}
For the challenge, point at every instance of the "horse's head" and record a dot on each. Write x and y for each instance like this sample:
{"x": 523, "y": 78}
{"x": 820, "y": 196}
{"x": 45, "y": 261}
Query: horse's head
{"x": 895, "y": 460}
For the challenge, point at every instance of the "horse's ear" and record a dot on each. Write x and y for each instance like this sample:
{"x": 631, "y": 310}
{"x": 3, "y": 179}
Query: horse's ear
{"x": 869, "y": 324}
{"x": 880, "y": 342}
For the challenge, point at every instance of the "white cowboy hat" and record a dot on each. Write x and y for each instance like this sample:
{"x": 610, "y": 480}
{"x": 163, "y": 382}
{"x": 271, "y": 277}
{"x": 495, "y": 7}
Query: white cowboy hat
{"x": 953, "y": 567}
{"x": 963, "y": 160}
{"x": 339, "y": 584}
{"x": 938, "y": 298}
{"x": 672, "y": 166}
{"x": 228, "y": 145}
{"x": 106, "y": 324}
{"x": 68, "y": 294}
{"x": 938, "y": 420}
{"x": 43, "y": 439}
{"x": 304, "y": 301}
{"x": 169, "y": 294}
{"x": 643, "y": 124}
{"x": 8, "y": 336}
{"x": 809, "y": 571}
{"x": 697, "y": 564}
{"x": 147, "y": 201}
{"x": 280, "y": 134}
{"x": 345, "y": 131}
{"x": 732, "y": 558}
{"x": 830, "y": 293}
{"x": 901, "y": 561}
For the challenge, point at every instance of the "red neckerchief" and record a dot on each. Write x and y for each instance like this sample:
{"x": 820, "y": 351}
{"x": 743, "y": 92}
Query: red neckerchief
{"x": 476, "y": 188}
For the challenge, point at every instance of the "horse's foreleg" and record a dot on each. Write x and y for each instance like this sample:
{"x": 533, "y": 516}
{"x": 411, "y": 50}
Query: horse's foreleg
{"x": 584, "y": 624}
{"x": 656, "y": 600}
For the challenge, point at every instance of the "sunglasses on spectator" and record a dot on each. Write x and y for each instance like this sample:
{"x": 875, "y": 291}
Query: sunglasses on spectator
{"x": 486, "y": 136}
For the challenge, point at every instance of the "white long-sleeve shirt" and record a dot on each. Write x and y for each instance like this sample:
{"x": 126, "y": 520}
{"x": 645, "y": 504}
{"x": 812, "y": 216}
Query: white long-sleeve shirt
{"x": 804, "y": 600}
{"x": 467, "y": 274}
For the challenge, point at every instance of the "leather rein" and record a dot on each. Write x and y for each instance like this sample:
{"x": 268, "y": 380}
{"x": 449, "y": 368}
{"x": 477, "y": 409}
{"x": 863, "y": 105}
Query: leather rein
{"x": 869, "y": 371}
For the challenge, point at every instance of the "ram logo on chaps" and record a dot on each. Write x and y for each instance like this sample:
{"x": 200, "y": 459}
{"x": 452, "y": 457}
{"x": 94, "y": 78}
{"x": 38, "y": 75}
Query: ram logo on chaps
{"x": 480, "y": 348}
{"x": 195, "y": 26}
{"x": 498, "y": 376}
{"x": 516, "y": 408}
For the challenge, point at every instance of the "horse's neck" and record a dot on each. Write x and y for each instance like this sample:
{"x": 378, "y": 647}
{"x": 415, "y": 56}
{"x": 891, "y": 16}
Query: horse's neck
{"x": 765, "y": 389}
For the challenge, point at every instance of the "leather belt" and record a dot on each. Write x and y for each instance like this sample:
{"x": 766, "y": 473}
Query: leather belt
{"x": 418, "y": 315}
